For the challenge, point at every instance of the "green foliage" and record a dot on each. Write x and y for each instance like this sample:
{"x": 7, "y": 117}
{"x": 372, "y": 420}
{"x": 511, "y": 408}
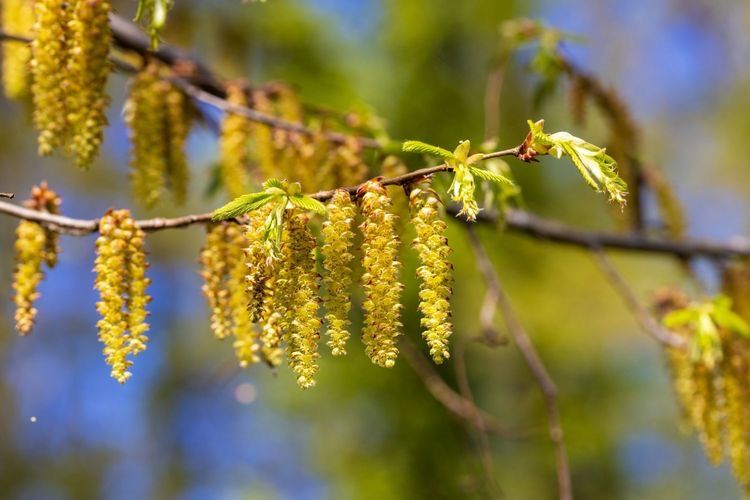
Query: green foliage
{"x": 464, "y": 169}
{"x": 153, "y": 15}
{"x": 597, "y": 168}
{"x": 705, "y": 320}
{"x": 280, "y": 193}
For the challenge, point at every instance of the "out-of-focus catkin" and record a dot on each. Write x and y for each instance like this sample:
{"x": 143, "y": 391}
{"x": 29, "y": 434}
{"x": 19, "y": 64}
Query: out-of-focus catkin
{"x": 120, "y": 269}
{"x": 50, "y": 78}
{"x": 736, "y": 368}
{"x": 380, "y": 280}
{"x": 338, "y": 239}
{"x": 262, "y": 135}
{"x": 179, "y": 115}
{"x": 35, "y": 246}
{"x": 145, "y": 115}
{"x": 214, "y": 271}
{"x": 245, "y": 343}
{"x": 298, "y": 282}
{"x": 233, "y": 145}
{"x": 30, "y": 243}
{"x": 17, "y": 19}
{"x": 435, "y": 272}
{"x": 89, "y": 69}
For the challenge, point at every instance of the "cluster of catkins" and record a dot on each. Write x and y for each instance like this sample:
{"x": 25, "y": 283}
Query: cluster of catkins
{"x": 159, "y": 116}
{"x": 36, "y": 247}
{"x": 69, "y": 68}
{"x": 715, "y": 395}
{"x": 121, "y": 280}
{"x": 270, "y": 303}
{"x": 250, "y": 150}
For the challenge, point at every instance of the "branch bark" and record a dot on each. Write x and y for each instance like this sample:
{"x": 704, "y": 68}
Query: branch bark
{"x": 539, "y": 371}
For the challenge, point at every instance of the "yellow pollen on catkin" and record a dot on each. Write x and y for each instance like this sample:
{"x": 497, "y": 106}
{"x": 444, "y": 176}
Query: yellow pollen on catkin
{"x": 380, "y": 280}
{"x": 298, "y": 299}
{"x": 705, "y": 411}
{"x": 89, "y": 70}
{"x": 17, "y": 19}
{"x": 736, "y": 368}
{"x": 35, "y": 246}
{"x": 233, "y": 145}
{"x": 257, "y": 261}
{"x": 178, "y": 121}
{"x": 338, "y": 239}
{"x": 246, "y": 346}
{"x": 120, "y": 269}
{"x": 262, "y": 135}
{"x": 270, "y": 324}
{"x": 214, "y": 271}
{"x": 435, "y": 272}
{"x": 30, "y": 243}
{"x": 51, "y": 80}
{"x": 145, "y": 115}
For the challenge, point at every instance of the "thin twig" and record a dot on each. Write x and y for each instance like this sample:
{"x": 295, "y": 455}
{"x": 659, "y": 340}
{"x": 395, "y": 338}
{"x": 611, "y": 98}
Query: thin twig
{"x": 644, "y": 318}
{"x": 539, "y": 371}
{"x": 449, "y": 398}
{"x": 464, "y": 388}
{"x": 10, "y": 196}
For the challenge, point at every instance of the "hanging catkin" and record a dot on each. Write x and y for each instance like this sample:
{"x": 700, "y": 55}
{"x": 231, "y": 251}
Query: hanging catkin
{"x": 381, "y": 283}
{"x": 35, "y": 246}
{"x": 338, "y": 239}
{"x": 298, "y": 299}
{"x": 17, "y": 19}
{"x": 214, "y": 271}
{"x": 51, "y": 80}
{"x": 89, "y": 69}
{"x": 435, "y": 272}
{"x": 145, "y": 115}
{"x": 120, "y": 279}
{"x": 233, "y": 145}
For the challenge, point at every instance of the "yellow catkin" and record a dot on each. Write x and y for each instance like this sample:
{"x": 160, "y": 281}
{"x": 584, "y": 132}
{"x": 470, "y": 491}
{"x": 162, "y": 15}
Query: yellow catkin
{"x": 50, "y": 78}
{"x": 348, "y": 168}
{"x": 736, "y": 367}
{"x": 17, "y": 19}
{"x": 120, "y": 268}
{"x": 257, "y": 262}
{"x": 233, "y": 145}
{"x": 89, "y": 69}
{"x": 145, "y": 115}
{"x": 270, "y": 324}
{"x": 46, "y": 200}
{"x": 178, "y": 121}
{"x": 705, "y": 411}
{"x": 214, "y": 271}
{"x": 338, "y": 239}
{"x": 298, "y": 290}
{"x": 380, "y": 280}
{"x": 245, "y": 343}
{"x": 262, "y": 136}
{"x": 30, "y": 243}
{"x": 34, "y": 247}
{"x": 435, "y": 272}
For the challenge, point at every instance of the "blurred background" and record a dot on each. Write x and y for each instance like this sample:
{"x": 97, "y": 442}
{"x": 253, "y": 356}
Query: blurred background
{"x": 191, "y": 425}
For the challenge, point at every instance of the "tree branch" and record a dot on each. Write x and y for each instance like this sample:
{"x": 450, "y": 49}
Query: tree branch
{"x": 10, "y": 196}
{"x": 538, "y": 370}
{"x": 642, "y": 315}
{"x": 446, "y": 396}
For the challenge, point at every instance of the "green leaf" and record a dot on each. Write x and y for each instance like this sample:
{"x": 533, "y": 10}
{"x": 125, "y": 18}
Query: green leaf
{"x": 242, "y": 205}
{"x": 490, "y": 176}
{"x": 274, "y": 183}
{"x": 597, "y": 168}
{"x": 307, "y": 203}
{"x": 427, "y": 149}
{"x": 461, "y": 153}
{"x": 679, "y": 317}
